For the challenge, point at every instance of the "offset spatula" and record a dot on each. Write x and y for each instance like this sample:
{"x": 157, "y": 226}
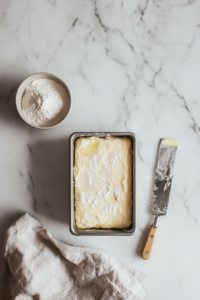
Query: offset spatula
{"x": 161, "y": 190}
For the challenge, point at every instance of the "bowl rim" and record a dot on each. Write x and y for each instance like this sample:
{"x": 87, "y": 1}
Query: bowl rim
{"x": 55, "y": 78}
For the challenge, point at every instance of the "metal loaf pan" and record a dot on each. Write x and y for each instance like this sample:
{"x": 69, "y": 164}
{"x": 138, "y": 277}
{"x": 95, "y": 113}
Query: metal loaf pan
{"x": 94, "y": 231}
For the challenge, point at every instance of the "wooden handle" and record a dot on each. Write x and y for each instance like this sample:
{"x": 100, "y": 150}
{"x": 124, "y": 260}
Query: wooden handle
{"x": 148, "y": 246}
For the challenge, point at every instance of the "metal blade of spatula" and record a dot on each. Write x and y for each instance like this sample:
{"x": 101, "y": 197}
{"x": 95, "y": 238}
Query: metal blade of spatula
{"x": 161, "y": 190}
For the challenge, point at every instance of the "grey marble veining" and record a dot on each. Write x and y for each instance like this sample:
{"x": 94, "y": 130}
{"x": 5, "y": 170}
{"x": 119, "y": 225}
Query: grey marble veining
{"x": 131, "y": 66}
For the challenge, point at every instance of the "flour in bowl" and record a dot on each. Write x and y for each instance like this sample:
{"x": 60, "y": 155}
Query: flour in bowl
{"x": 45, "y": 102}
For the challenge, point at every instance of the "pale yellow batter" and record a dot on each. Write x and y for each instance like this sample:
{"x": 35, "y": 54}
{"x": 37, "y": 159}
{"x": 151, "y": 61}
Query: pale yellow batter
{"x": 103, "y": 182}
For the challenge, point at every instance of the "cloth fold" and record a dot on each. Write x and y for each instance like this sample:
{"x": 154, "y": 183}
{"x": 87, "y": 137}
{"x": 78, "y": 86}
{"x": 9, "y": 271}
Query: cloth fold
{"x": 35, "y": 266}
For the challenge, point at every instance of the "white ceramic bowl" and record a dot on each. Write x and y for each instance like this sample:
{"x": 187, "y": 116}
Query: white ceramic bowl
{"x": 21, "y": 90}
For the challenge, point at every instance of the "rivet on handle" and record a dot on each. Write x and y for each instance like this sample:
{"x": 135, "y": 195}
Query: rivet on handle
{"x": 148, "y": 246}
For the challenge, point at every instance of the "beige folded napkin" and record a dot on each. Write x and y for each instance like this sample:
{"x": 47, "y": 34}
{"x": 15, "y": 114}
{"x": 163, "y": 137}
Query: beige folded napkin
{"x": 36, "y": 266}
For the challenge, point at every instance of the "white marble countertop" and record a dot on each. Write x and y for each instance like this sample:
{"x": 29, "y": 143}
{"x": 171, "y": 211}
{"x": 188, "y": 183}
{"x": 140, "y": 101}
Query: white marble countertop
{"x": 131, "y": 66}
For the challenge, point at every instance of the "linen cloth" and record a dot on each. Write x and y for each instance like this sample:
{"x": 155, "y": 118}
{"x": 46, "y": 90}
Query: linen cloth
{"x": 36, "y": 266}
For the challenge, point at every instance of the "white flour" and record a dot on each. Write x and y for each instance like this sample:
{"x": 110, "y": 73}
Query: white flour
{"x": 85, "y": 143}
{"x": 45, "y": 102}
{"x": 104, "y": 178}
{"x": 82, "y": 197}
{"x": 92, "y": 200}
{"x": 114, "y": 156}
{"x": 116, "y": 193}
{"x": 110, "y": 210}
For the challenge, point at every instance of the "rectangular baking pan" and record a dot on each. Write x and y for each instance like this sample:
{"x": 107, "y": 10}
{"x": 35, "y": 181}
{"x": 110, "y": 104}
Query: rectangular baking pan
{"x": 96, "y": 231}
